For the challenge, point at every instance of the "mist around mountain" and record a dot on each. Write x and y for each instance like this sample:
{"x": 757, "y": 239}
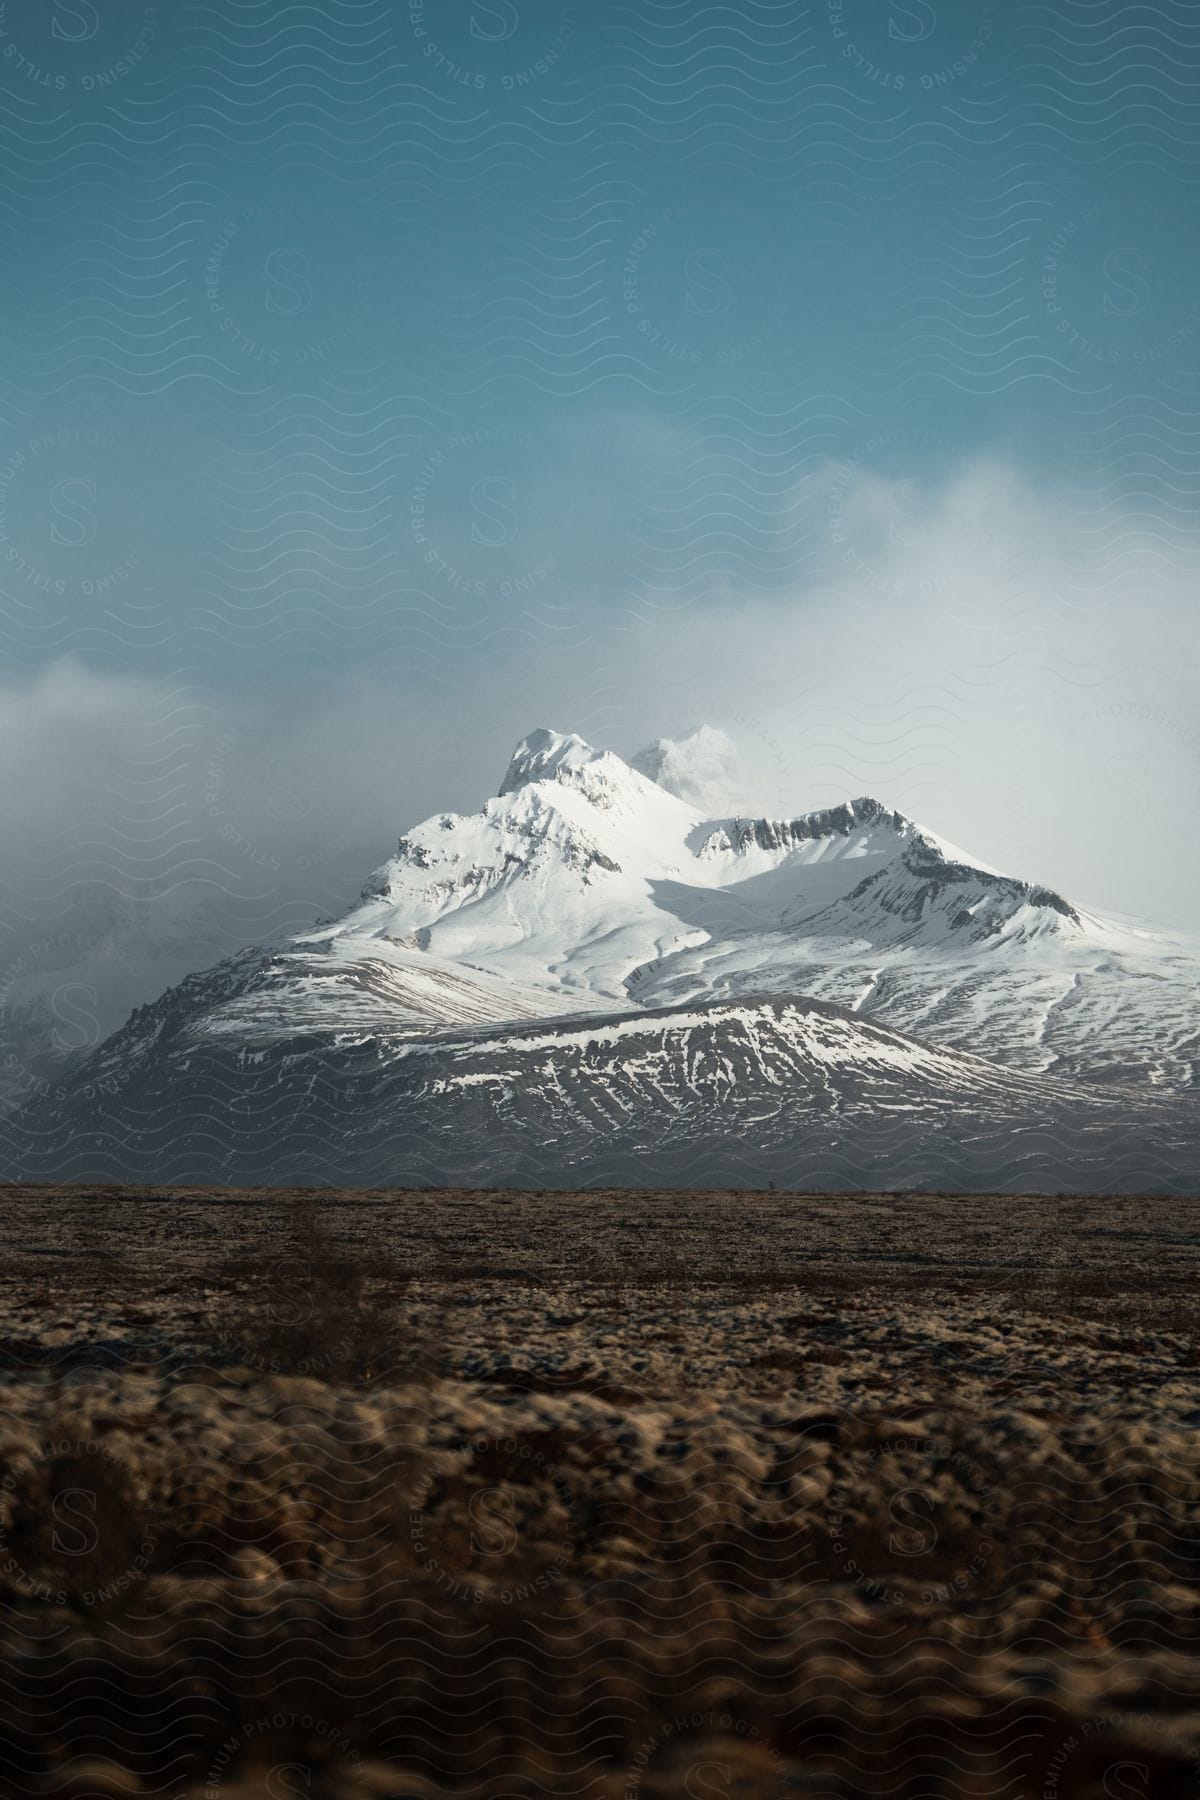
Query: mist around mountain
{"x": 613, "y": 973}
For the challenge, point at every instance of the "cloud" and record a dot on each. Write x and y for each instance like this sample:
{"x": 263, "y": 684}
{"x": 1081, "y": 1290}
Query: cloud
{"x": 703, "y": 767}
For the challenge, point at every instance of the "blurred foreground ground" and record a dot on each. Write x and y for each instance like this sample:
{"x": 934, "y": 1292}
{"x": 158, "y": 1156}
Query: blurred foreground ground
{"x": 601, "y": 1495}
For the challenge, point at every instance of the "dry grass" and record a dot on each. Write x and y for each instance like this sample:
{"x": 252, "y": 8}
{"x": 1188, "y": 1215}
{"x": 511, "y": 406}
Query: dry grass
{"x": 338, "y": 1516}
{"x": 313, "y": 1305}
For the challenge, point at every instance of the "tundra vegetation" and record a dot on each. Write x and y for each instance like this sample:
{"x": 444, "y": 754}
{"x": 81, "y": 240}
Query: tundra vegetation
{"x": 481, "y": 1494}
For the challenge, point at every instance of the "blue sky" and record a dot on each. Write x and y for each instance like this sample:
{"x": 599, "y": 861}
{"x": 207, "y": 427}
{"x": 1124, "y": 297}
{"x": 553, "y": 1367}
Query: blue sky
{"x": 604, "y": 263}
{"x": 379, "y": 373}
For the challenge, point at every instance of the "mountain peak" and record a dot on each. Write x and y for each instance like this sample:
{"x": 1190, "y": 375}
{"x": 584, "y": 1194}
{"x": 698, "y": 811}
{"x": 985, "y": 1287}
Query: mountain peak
{"x": 543, "y": 756}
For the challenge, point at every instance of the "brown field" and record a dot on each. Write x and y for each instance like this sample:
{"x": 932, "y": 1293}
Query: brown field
{"x": 602, "y": 1495}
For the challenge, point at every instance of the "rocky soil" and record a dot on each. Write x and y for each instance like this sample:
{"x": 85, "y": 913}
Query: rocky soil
{"x": 597, "y": 1495}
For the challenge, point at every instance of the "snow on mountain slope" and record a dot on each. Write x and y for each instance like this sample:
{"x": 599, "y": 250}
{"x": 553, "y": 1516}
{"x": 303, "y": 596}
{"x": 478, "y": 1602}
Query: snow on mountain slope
{"x": 370, "y": 983}
{"x": 589, "y": 961}
{"x": 583, "y": 872}
{"x": 721, "y": 1094}
{"x": 585, "y": 884}
{"x": 551, "y": 884}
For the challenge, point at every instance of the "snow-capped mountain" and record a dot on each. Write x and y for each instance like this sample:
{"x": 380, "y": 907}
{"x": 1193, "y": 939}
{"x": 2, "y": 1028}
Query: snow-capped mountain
{"x": 702, "y": 767}
{"x": 586, "y": 886}
{"x": 591, "y": 979}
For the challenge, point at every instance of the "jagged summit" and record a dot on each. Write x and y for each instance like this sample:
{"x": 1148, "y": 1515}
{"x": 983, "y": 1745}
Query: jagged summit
{"x": 539, "y": 867}
{"x": 559, "y": 765}
{"x": 589, "y": 882}
{"x": 544, "y": 755}
{"x": 827, "y": 821}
